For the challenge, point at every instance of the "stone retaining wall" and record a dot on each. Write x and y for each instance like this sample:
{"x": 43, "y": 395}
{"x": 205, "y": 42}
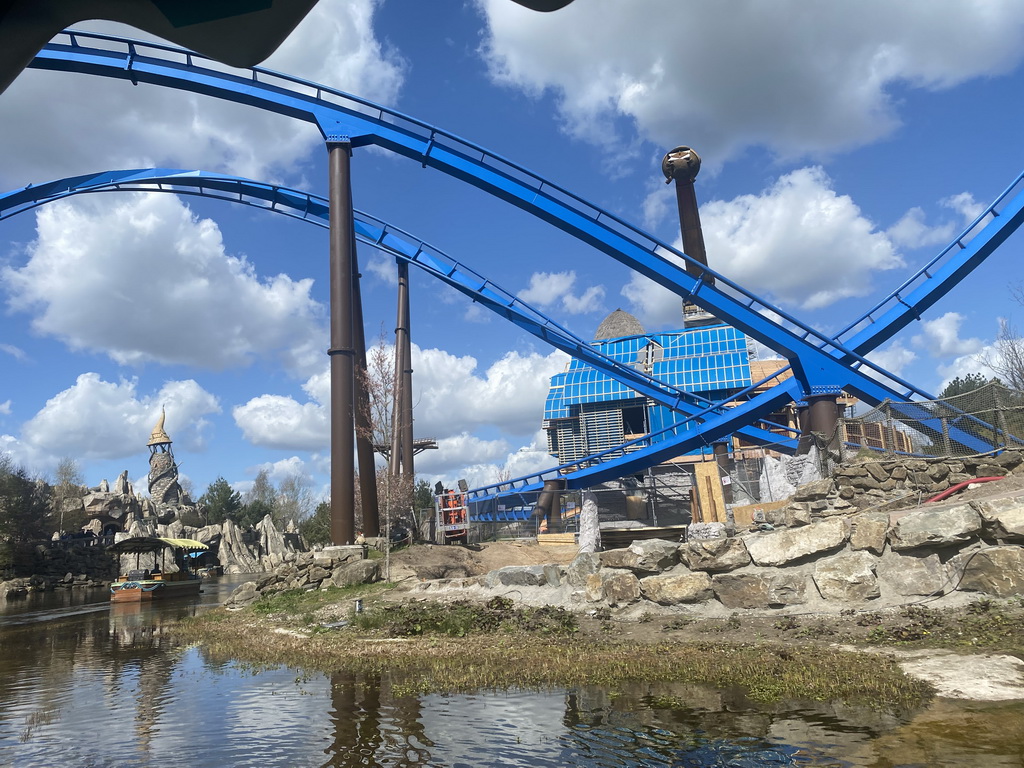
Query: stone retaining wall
{"x": 58, "y": 568}
{"x": 862, "y": 560}
{"x": 857, "y": 486}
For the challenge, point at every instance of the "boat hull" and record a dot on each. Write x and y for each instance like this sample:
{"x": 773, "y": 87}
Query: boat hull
{"x": 146, "y": 590}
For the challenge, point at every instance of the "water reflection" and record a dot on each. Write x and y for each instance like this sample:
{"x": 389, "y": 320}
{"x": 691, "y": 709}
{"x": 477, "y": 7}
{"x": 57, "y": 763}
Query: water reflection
{"x": 84, "y": 683}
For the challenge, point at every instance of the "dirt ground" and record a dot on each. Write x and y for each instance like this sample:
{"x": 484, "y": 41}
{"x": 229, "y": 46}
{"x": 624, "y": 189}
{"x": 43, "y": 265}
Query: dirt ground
{"x": 433, "y": 561}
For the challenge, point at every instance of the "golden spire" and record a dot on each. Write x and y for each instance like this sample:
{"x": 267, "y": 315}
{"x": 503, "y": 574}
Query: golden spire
{"x": 158, "y": 436}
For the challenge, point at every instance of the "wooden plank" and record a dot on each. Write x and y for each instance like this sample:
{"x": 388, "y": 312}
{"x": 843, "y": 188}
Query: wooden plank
{"x": 708, "y": 485}
{"x": 744, "y": 516}
{"x": 556, "y": 539}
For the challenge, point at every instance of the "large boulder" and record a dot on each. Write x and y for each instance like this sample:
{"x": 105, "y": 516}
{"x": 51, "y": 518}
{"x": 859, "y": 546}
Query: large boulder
{"x": 908, "y": 574}
{"x": 613, "y": 585}
{"x": 357, "y": 572}
{"x": 583, "y": 565}
{"x": 868, "y": 531}
{"x": 998, "y": 571}
{"x": 271, "y": 539}
{"x": 677, "y": 587}
{"x": 233, "y": 553}
{"x": 782, "y": 547}
{"x": 848, "y": 577}
{"x": 714, "y": 555}
{"x": 1003, "y": 518}
{"x": 243, "y": 596}
{"x": 523, "y": 576}
{"x": 942, "y": 527}
{"x": 644, "y": 557}
{"x": 766, "y": 588}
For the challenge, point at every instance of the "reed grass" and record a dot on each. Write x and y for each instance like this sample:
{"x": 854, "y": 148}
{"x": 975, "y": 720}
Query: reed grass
{"x": 504, "y": 656}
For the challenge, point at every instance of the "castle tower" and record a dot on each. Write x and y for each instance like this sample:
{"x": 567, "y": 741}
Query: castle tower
{"x": 163, "y": 471}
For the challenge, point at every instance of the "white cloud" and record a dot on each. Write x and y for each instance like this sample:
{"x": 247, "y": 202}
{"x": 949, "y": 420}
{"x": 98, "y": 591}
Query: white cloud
{"x": 5, "y": 408}
{"x": 911, "y": 231}
{"x": 60, "y": 124}
{"x": 970, "y": 364}
{"x": 893, "y": 358}
{"x": 941, "y": 337}
{"x": 280, "y": 470}
{"x": 451, "y": 398}
{"x": 548, "y": 289}
{"x": 484, "y": 462}
{"x": 800, "y": 78}
{"x": 276, "y": 421}
{"x": 798, "y": 243}
{"x": 146, "y": 280}
{"x": 15, "y": 352}
{"x": 461, "y": 450}
{"x": 97, "y": 419}
{"x": 964, "y": 204}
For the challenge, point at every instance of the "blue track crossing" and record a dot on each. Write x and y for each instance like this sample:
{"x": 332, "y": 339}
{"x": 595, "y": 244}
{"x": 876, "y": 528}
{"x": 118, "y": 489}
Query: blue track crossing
{"x": 389, "y": 239}
{"x": 820, "y": 364}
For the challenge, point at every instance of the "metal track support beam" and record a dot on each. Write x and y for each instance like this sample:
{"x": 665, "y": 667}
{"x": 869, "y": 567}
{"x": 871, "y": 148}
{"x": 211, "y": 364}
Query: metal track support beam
{"x": 342, "y": 236}
{"x": 364, "y": 426}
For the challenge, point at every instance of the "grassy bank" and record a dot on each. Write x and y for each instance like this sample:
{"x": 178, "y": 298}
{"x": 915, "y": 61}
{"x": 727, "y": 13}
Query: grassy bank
{"x": 434, "y": 647}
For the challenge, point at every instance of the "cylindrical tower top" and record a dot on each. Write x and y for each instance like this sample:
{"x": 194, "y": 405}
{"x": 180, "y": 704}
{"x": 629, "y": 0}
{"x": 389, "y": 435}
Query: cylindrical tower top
{"x": 682, "y": 163}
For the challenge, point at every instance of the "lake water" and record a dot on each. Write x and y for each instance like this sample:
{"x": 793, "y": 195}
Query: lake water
{"x": 84, "y": 683}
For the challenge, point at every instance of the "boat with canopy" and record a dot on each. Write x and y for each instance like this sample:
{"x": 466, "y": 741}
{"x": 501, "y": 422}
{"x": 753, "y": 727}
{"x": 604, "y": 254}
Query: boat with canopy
{"x": 153, "y": 577}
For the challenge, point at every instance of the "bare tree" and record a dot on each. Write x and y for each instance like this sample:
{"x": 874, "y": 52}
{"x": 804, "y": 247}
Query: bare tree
{"x": 66, "y": 501}
{"x": 379, "y": 379}
{"x": 1007, "y": 358}
{"x": 295, "y": 500}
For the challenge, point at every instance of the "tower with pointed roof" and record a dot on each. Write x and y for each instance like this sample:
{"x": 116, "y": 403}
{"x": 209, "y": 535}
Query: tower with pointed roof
{"x": 163, "y": 471}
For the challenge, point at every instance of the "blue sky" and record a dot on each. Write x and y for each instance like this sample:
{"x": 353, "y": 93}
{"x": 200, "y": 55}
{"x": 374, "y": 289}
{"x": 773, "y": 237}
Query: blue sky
{"x": 843, "y": 145}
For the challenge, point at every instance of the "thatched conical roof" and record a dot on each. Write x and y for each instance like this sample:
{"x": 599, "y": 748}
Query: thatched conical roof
{"x": 618, "y": 324}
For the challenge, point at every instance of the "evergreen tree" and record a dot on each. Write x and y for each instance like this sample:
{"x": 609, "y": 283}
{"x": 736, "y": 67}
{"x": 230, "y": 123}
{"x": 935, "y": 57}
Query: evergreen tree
{"x": 961, "y": 386}
{"x": 222, "y": 502}
{"x": 23, "y": 513}
{"x": 316, "y": 529}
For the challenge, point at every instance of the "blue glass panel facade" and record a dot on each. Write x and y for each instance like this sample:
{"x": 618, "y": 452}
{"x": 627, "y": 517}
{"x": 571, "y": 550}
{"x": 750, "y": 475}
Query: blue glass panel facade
{"x": 710, "y": 361}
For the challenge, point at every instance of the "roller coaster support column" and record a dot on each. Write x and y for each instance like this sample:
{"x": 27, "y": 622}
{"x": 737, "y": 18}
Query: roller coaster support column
{"x": 550, "y": 504}
{"x": 401, "y": 416}
{"x": 803, "y": 416}
{"x": 823, "y": 418}
{"x": 364, "y": 429}
{"x": 682, "y": 165}
{"x": 407, "y": 423}
{"x": 342, "y": 231}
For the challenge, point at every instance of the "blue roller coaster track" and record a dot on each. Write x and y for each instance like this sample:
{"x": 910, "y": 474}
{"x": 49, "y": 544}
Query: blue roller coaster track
{"x": 820, "y": 364}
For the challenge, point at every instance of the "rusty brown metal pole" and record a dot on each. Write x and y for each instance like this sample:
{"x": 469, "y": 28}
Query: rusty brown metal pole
{"x": 341, "y": 351}
{"x": 364, "y": 429}
{"x": 407, "y": 428}
{"x": 397, "y": 411}
{"x": 682, "y": 165}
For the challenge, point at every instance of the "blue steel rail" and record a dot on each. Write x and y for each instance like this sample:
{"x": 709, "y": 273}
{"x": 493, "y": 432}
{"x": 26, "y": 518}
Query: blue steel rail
{"x": 389, "y": 239}
{"x": 819, "y": 363}
{"x": 936, "y": 278}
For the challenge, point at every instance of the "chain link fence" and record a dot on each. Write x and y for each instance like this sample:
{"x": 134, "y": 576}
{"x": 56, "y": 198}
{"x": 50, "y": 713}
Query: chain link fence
{"x": 983, "y": 420}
